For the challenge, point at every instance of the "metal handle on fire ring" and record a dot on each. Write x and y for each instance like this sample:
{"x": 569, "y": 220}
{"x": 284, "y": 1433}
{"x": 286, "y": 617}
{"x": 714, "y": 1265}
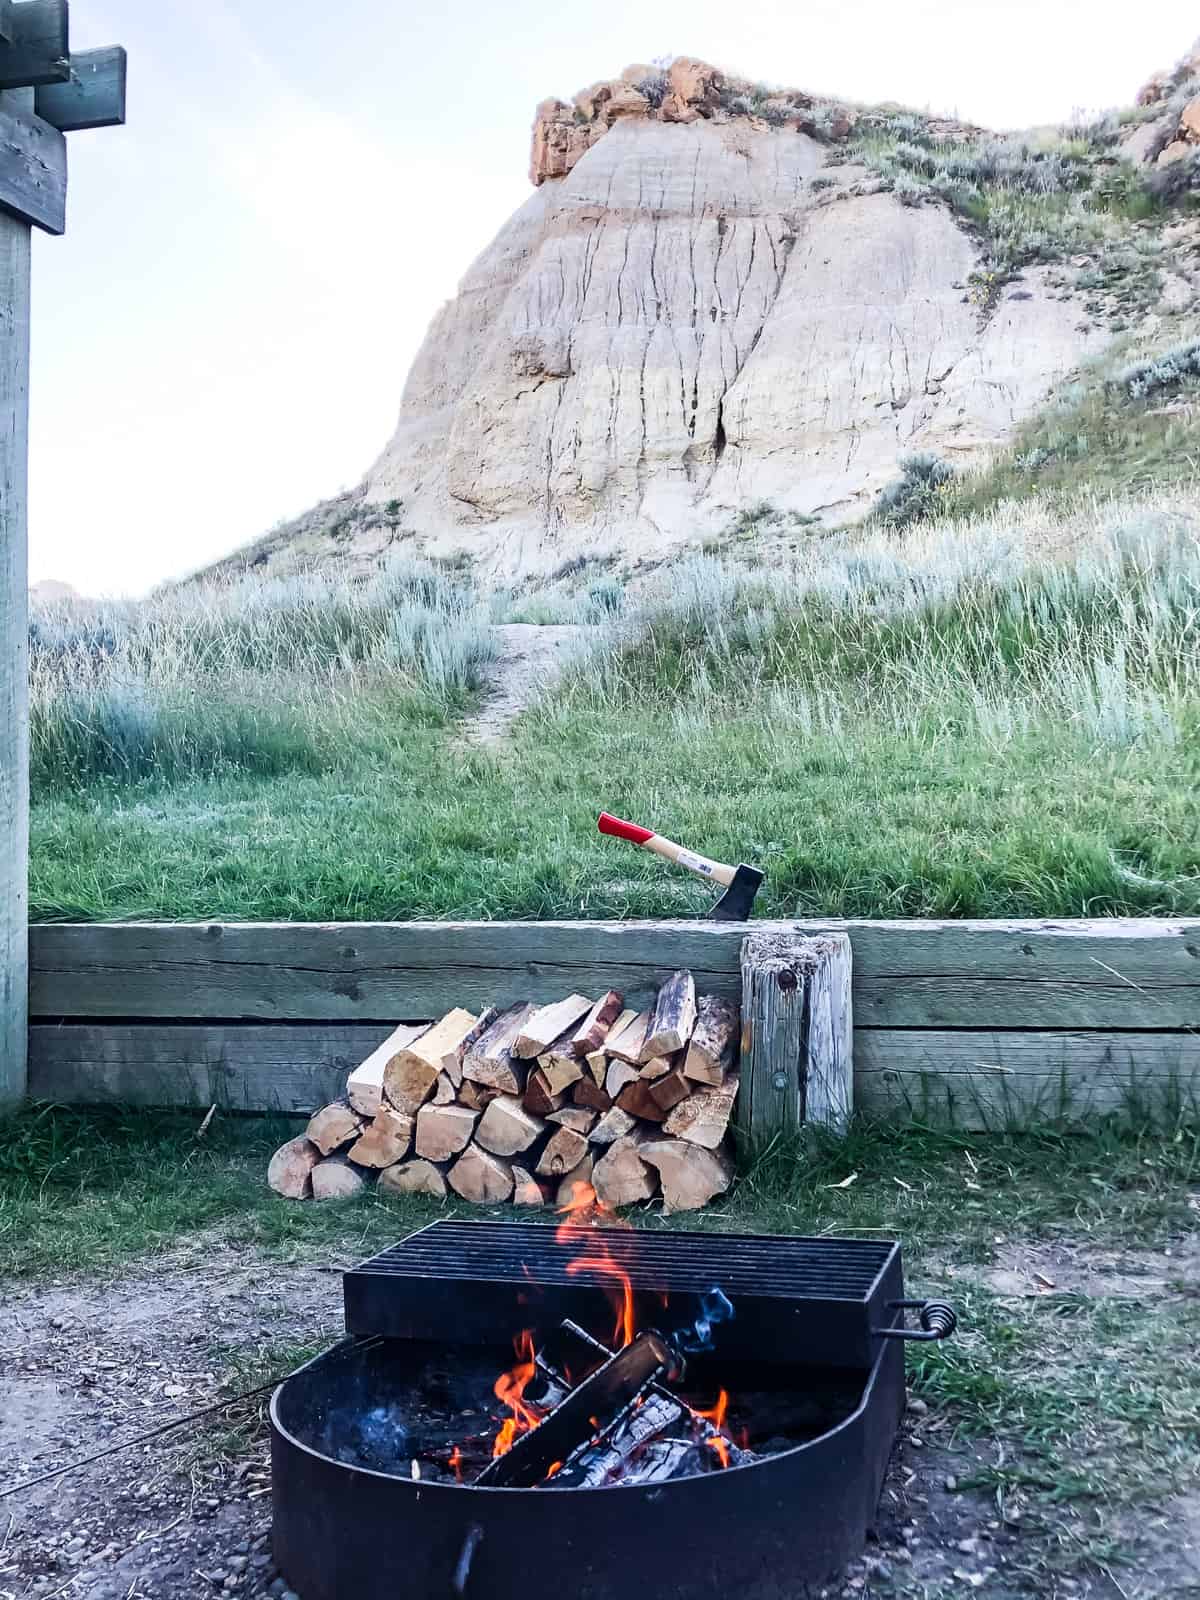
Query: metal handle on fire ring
{"x": 938, "y": 1320}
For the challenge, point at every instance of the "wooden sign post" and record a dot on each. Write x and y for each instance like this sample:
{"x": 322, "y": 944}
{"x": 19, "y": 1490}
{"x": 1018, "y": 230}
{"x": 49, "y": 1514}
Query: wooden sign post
{"x": 45, "y": 93}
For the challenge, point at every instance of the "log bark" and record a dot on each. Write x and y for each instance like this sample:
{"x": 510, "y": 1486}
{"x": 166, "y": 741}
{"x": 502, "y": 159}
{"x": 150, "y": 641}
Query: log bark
{"x": 713, "y": 1046}
{"x": 413, "y": 1177}
{"x": 291, "y": 1167}
{"x": 668, "y": 1092}
{"x": 483, "y": 1022}
{"x": 334, "y": 1126}
{"x": 703, "y": 1118}
{"x": 673, "y": 1017}
{"x": 614, "y": 1124}
{"x": 444, "y": 1131}
{"x": 577, "y": 1117}
{"x": 384, "y": 1141}
{"x": 526, "y": 1189}
{"x": 620, "y": 1074}
{"x": 690, "y": 1175}
{"x": 578, "y": 1177}
{"x": 539, "y": 1101}
{"x": 491, "y": 1060}
{"x": 627, "y": 1038}
{"x": 480, "y": 1177}
{"x": 797, "y": 1049}
{"x": 566, "y": 1149}
{"x": 544, "y": 1026}
{"x": 639, "y": 1102}
{"x": 585, "y": 1093}
{"x": 364, "y": 1086}
{"x": 335, "y": 1179}
{"x": 507, "y": 1129}
{"x": 621, "y": 1177}
{"x": 598, "y": 1023}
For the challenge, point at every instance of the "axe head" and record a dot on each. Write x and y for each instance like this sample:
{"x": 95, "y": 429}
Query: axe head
{"x": 734, "y": 905}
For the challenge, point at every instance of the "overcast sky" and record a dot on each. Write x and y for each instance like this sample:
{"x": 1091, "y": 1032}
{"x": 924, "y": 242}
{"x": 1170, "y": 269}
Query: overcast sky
{"x": 222, "y": 336}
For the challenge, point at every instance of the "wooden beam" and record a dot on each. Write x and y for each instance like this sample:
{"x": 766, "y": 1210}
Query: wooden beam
{"x": 38, "y": 51}
{"x": 92, "y": 97}
{"x": 14, "y": 660}
{"x": 1123, "y": 973}
{"x": 6, "y": 22}
{"x": 33, "y": 164}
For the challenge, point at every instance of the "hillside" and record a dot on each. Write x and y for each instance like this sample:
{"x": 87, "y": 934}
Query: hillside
{"x": 721, "y": 297}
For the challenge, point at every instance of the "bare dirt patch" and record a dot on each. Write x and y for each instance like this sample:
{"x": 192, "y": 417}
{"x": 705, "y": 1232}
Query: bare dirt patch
{"x": 530, "y": 659}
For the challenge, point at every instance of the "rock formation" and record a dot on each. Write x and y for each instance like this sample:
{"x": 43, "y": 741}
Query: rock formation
{"x": 1169, "y": 129}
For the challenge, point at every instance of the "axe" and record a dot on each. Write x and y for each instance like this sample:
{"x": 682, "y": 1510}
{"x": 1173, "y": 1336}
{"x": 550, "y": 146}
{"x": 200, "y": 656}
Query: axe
{"x": 741, "y": 883}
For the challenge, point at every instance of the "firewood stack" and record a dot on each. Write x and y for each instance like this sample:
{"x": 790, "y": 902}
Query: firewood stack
{"x": 524, "y": 1103}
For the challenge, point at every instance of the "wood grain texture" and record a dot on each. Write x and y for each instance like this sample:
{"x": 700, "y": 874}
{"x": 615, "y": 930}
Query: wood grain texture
{"x": 33, "y": 165}
{"x": 92, "y": 97}
{"x": 990, "y": 1081}
{"x": 796, "y": 1058}
{"x": 1115, "y": 974}
{"x": 14, "y": 657}
{"x": 38, "y": 50}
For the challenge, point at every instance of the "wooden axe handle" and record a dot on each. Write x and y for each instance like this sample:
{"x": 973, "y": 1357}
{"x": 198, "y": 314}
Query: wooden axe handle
{"x": 715, "y": 871}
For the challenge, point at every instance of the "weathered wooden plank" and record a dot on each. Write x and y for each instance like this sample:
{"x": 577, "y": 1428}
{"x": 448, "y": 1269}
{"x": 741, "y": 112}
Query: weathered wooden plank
{"x": 797, "y": 1056}
{"x": 92, "y": 97}
{"x": 37, "y": 51}
{"x": 6, "y": 21}
{"x": 989, "y": 1080}
{"x": 33, "y": 165}
{"x": 1120, "y": 973}
{"x": 250, "y": 1068}
{"x": 14, "y": 661}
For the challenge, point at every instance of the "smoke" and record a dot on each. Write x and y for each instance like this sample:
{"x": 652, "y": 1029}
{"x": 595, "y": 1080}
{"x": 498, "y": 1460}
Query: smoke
{"x": 715, "y": 1307}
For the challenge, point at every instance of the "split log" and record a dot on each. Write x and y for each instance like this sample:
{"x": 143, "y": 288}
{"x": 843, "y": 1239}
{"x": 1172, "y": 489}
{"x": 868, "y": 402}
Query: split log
{"x": 483, "y": 1022}
{"x": 614, "y": 1124}
{"x": 565, "y": 1150}
{"x": 597, "y": 1064}
{"x": 481, "y": 1177}
{"x": 335, "y": 1126}
{"x": 669, "y": 1091}
{"x": 413, "y": 1177}
{"x": 442, "y": 1131}
{"x": 713, "y": 1045}
{"x": 576, "y": 1117}
{"x": 621, "y": 1177}
{"x": 364, "y": 1086}
{"x": 335, "y": 1179}
{"x": 539, "y": 1101}
{"x": 443, "y": 1091}
{"x": 384, "y": 1141}
{"x": 291, "y": 1167}
{"x": 639, "y": 1102}
{"x": 597, "y": 1025}
{"x": 526, "y": 1189}
{"x": 579, "y": 1177}
{"x": 491, "y": 1060}
{"x": 690, "y": 1176}
{"x": 560, "y": 1069}
{"x": 544, "y": 1026}
{"x": 797, "y": 1033}
{"x": 410, "y": 1076}
{"x": 585, "y": 1093}
{"x": 475, "y": 1097}
{"x": 620, "y": 1073}
{"x": 658, "y": 1068}
{"x": 703, "y": 1118}
{"x": 627, "y": 1038}
{"x": 507, "y": 1129}
{"x": 673, "y": 1017}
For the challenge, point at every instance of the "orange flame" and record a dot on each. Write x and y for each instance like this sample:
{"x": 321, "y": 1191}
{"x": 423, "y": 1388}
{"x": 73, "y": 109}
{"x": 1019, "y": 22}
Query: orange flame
{"x": 555, "y": 1466}
{"x": 716, "y": 1441}
{"x": 509, "y": 1388}
{"x": 456, "y": 1463}
{"x": 586, "y": 1209}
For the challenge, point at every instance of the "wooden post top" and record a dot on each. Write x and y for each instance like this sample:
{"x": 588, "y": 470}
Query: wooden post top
{"x": 46, "y": 93}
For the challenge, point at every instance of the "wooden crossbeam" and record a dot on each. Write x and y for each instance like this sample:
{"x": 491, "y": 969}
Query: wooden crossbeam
{"x": 93, "y": 96}
{"x": 38, "y": 51}
{"x": 33, "y": 164}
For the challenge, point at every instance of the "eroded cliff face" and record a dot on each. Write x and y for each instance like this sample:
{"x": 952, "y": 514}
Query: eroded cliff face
{"x": 696, "y": 311}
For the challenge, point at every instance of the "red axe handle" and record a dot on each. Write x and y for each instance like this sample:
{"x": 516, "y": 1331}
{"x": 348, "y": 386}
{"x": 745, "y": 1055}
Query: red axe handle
{"x": 715, "y": 871}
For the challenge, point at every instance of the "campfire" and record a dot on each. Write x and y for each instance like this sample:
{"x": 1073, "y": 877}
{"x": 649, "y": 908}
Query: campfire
{"x": 529, "y": 1104}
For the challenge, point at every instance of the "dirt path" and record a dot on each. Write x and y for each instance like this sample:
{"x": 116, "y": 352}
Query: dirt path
{"x": 530, "y": 659}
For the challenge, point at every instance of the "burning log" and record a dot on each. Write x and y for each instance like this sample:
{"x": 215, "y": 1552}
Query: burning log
{"x": 481, "y": 1177}
{"x": 491, "y": 1060}
{"x": 291, "y": 1168}
{"x": 598, "y": 1023}
{"x": 614, "y": 1124}
{"x": 691, "y": 1175}
{"x": 444, "y": 1131}
{"x": 605, "y": 1459}
{"x": 565, "y": 1150}
{"x": 507, "y": 1129}
{"x": 667, "y": 1092}
{"x": 621, "y": 1177}
{"x": 574, "y": 1117}
{"x": 384, "y": 1141}
{"x": 586, "y": 1093}
{"x": 335, "y": 1179}
{"x": 711, "y": 1050}
{"x": 620, "y": 1074}
{"x": 334, "y": 1126}
{"x": 543, "y": 1027}
{"x": 526, "y": 1189}
{"x": 703, "y": 1118}
{"x": 637, "y": 1099}
{"x": 628, "y": 1037}
{"x": 413, "y": 1177}
{"x": 364, "y": 1086}
{"x": 673, "y": 1017}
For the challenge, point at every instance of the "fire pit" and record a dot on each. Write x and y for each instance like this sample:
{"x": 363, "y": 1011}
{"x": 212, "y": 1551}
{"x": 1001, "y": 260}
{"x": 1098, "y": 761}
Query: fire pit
{"x": 689, "y": 1413}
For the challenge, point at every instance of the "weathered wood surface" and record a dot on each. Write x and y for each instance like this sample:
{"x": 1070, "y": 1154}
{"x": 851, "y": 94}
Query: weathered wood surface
{"x": 797, "y": 1054}
{"x": 14, "y": 656}
{"x": 6, "y": 21}
{"x": 1115, "y": 974}
{"x": 979, "y": 1081}
{"x": 92, "y": 97}
{"x": 38, "y": 50}
{"x": 33, "y": 164}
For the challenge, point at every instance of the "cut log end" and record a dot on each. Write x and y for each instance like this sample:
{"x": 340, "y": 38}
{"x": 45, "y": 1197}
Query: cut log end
{"x": 413, "y": 1177}
{"x": 335, "y": 1179}
{"x": 444, "y": 1131}
{"x": 480, "y": 1177}
{"x": 334, "y": 1126}
{"x": 384, "y": 1141}
{"x": 621, "y": 1177}
{"x": 673, "y": 1017}
{"x": 507, "y": 1129}
{"x": 291, "y": 1168}
{"x": 691, "y": 1176}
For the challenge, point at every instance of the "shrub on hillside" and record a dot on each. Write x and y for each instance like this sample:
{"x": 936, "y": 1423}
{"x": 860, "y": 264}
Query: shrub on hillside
{"x": 1168, "y": 371}
{"x": 916, "y": 494}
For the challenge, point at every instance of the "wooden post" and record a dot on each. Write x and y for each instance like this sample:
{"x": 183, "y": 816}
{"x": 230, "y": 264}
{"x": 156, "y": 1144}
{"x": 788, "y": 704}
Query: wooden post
{"x": 797, "y": 1062}
{"x": 14, "y": 649}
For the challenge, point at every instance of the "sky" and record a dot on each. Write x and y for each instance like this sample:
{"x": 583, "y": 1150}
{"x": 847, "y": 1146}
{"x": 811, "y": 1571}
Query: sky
{"x": 222, "y": 336}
